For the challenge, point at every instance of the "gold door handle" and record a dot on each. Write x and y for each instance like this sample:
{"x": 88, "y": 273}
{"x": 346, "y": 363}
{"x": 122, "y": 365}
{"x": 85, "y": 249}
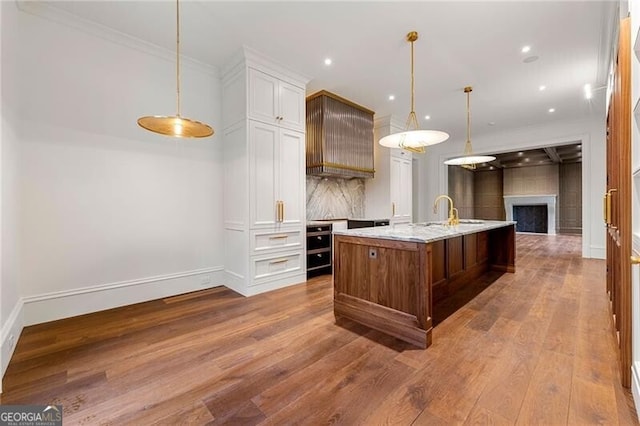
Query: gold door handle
{"x": 635, "y": 260}
{"x": 608, "y": 206}
{"x": 278, "y": 211}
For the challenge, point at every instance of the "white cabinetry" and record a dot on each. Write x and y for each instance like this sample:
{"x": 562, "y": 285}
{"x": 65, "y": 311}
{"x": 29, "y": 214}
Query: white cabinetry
{"x": 264, "y": 175}
{"x": 389, "y": 194}
{"x": 274, "y": 101}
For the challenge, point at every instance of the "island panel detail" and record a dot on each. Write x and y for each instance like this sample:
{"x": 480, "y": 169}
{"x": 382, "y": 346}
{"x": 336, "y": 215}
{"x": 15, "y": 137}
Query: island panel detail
{"x": 388, "y": 279}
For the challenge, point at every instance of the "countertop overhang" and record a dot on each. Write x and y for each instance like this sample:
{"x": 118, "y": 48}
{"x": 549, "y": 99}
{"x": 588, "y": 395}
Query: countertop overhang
{"x": 425, "y": 232}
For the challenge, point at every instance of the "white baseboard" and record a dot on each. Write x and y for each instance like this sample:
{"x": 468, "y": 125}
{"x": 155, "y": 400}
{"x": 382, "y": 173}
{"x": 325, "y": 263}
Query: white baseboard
{"x": 238, "y": 283}
{"x": 9, "y": 336}
{"x": 635, "y": 385}
{"x": 597, "y": 252}
{"x": 69, "y": 303}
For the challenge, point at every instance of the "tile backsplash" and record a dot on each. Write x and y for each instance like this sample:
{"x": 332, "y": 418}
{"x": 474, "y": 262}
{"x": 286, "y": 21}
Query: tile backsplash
{"x": 329, "y": 198}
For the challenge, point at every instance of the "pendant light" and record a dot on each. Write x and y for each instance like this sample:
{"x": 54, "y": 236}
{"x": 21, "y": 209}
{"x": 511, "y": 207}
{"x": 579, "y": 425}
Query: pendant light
{"x": 468, "y": 160}
{"x": 413, "y": 139}
{"x": 176, "y": 125}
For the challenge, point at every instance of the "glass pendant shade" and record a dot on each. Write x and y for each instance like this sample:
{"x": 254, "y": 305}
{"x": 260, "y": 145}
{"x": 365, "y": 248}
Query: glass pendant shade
{"x": 468, "y": 160}
{"x": 412, "y": 138}
{"x": 175, "y": 125}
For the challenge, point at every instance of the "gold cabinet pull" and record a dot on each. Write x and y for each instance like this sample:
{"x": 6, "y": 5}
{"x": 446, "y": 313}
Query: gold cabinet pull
{"x": 277, "y": 237}
{"x": 605, "y": 217}
{"x": 273, "y": 262}
{"x": 279, "y": 211}
{"x": 635, "y": 260}
{"x": 608, "y": 207}
{"x": 282, "y": 210}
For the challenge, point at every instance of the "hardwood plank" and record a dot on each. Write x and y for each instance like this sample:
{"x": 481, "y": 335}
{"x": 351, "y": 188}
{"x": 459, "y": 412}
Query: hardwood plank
{"x": 281, "y": 358}
{"x": 547, "y": 398}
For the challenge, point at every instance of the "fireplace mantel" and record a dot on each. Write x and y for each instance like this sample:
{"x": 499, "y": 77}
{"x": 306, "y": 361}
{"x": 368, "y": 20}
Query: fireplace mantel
{"x": 533, "y": 200}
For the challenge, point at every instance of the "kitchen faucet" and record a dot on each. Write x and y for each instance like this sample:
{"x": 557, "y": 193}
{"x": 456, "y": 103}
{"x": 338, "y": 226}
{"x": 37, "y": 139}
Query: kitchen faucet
{"x": 453, "y": 212}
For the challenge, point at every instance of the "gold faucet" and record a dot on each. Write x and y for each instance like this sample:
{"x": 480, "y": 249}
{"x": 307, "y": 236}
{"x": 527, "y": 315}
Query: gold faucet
{"x": 453, "y": 212}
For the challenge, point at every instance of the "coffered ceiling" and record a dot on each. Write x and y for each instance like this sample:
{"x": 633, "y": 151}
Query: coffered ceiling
{"x": 461, "y": 43}
{"x": 563, "y": 154}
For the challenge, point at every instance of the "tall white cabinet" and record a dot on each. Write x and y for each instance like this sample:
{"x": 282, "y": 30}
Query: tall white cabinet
{"x": 389, "y": 193}
{"x": 264, "y": 175}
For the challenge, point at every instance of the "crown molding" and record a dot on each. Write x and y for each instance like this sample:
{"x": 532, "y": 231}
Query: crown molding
{"x": 50, "y": 12}
{"x": 251, "y": 57}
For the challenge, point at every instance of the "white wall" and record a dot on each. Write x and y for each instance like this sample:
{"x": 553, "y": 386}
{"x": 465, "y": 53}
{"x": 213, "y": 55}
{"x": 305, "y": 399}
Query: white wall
{"x": 590, "y": 132}
{"x": 10, "y": 322}
{"x": 109, "y": 214}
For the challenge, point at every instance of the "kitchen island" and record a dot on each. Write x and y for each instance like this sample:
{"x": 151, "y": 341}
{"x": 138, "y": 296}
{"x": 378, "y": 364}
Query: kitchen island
{"x": 388, "y": 277}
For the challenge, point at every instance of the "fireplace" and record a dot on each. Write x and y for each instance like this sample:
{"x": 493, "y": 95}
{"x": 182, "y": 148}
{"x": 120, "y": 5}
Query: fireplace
{"x": 531, "y": 217}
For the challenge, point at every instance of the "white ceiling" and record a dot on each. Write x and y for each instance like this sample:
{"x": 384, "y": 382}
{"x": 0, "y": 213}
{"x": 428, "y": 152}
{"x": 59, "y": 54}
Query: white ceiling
{"x": 460, "y": 44}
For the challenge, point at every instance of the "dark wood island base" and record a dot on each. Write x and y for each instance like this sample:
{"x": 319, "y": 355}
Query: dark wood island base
{"x": 389, "y": 284}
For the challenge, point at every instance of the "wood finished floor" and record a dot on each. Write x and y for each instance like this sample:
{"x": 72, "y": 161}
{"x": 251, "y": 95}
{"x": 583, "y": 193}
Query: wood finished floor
{"x": 534, "y": 347}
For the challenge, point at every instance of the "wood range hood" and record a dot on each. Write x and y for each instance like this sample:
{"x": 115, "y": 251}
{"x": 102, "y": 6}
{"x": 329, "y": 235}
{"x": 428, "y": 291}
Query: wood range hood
{"x": 339, "y": 137}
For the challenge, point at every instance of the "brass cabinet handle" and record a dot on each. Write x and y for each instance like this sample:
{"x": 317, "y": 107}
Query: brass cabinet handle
{"x": 605, "y": 217}
{"x": 608, "y": 207}
{"x": 279, "y": 211}
{"x": 273, "y": 262}
{"x": 277, "y": 237}
{"x": 635, "y": 260}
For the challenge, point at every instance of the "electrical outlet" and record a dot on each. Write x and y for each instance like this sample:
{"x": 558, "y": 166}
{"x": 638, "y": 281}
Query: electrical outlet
{"x": 205, "y": 280}
{"x": 12, "y": 341}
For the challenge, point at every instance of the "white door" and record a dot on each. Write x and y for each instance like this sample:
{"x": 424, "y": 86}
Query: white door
{"x": 405, "y": 190}
{"x": 263, "y": 158}
{"x": 291, "y": 106}
{"x": 395, "y": 188}
{"x": 291, "y": 176}
{"x": 263, "y": 97}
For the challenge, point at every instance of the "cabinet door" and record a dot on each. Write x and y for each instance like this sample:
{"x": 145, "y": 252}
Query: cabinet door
{"x": 263, "y": 97}
{"x": 405, "y": 191}
{"x": 292, "y": 106}
{"x": 400, "y": 189}
{"x": 291, "y": 176}
{"x": 395, "y": 187}
{"x": 263, "y": 157}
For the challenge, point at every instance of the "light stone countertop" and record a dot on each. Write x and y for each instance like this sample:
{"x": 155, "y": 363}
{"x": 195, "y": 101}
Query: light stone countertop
{"x": 425, "y": 232}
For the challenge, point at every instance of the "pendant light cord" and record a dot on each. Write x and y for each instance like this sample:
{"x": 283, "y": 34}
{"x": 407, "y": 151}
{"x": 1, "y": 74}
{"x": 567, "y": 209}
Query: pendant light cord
{"x": 412, "y": 83}
{"x": 178, "y": 55}
{"x": 468, "y": 118}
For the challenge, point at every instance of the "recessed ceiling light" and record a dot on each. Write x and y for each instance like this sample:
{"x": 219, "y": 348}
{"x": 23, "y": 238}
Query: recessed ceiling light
{"x": 525, "y": 49}
{"x": 328, "y": 61}
{"x": 530, "y": 59}
{"x": 491, "y": 168}
{"x": 520, "y": 153}
{"x": 491, "y": 123}
{"x": 579, "y": 146}
{"x": 391, "y": 97}
{"x": 552, "y": 110}
{"x": 519, "y": 164}
{"x": 526, "y": 160}
{"x": 427, "y": 117}
{"x": 542, "y": 87}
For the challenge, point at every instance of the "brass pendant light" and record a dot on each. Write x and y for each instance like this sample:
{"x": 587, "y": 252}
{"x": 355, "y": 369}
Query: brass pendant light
{"x": 468, "y": 160}
{"x": 413, "y": 139}
{"x": 176, "y": 125}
